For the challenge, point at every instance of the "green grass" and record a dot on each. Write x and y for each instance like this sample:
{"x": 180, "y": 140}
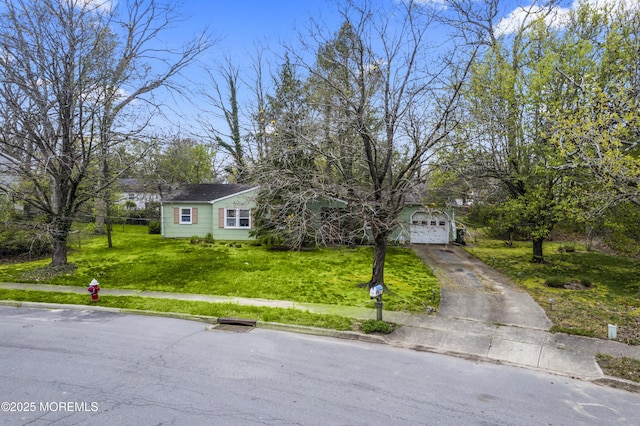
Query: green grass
{"x": 611, "y": 296}
{"x": 143, "y": 261}
{"x": 376, "y": 326}
{"x": 623, "y": 367}
{"x": 280, "y": 315}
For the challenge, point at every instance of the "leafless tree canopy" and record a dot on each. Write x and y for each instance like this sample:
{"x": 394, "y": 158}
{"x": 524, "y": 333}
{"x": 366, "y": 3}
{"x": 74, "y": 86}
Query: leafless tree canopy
{"x": 68, "y": 70}
{"x": 382, "y": 100}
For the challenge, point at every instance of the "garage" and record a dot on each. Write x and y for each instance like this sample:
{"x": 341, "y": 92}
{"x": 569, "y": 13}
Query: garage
{"x": 429, "y": 228}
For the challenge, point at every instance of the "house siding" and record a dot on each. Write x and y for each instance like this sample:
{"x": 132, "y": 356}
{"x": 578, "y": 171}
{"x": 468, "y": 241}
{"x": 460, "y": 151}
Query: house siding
{"x": 201, "y": 220}
{"x": 239, "y": 201}
{"x": 208, "y": 218}
{"x": 401, "y": 233}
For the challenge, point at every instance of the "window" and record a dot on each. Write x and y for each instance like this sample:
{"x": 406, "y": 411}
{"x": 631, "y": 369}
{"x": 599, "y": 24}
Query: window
{"x": 237, "y": 218}
{"x": 185, "y": 215}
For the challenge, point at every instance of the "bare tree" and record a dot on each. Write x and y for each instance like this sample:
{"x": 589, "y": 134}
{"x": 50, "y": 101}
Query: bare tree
{"x": 223, "y": 97}
{"x": 384, "y": 99}
{"x": 258, "y": 131}
{"x": 129, "y": 78}
{"x": 236, "y": 123}
{"x": 68, "y": 69}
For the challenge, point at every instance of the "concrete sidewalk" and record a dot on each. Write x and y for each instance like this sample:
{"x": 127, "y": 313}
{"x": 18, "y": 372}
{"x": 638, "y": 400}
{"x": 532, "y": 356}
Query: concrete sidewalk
{"x": 534, "y": 348}
{"x": 527, "y": 347}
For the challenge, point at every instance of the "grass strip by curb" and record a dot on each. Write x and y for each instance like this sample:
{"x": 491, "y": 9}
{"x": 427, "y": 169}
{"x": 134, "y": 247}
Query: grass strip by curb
{"x": 191, "y": 308}
{"x": 622, "y": 367}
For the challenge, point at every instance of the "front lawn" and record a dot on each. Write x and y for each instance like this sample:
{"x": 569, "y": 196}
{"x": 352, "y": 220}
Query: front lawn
{"x": 142, "y": 261}
{"x": 612, "y": 298}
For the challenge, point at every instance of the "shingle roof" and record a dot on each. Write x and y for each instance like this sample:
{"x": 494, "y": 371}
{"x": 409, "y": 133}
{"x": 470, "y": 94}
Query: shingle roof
{"x": 415, "y": 196}
{"x": 205, "y": 192}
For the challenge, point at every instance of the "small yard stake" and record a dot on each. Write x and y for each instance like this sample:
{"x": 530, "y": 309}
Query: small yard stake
{"x": 613, "y": 331}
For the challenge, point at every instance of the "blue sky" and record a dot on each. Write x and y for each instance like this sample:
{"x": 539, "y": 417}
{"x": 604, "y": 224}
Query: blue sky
{"x": 241, "y": 25}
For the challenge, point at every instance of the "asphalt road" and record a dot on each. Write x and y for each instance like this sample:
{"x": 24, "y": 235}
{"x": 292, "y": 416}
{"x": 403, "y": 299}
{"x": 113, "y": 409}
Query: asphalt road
{"x": 73, "y": 367}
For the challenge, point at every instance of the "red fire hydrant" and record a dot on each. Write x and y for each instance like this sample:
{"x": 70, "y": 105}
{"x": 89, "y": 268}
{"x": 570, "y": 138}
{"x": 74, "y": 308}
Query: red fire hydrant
{"x": 93, "y": 290}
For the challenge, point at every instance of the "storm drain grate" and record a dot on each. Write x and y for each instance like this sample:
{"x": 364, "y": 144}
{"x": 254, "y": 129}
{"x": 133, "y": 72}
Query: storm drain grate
{"x": 234, "y": 328}
{"x": 236, "y": 325}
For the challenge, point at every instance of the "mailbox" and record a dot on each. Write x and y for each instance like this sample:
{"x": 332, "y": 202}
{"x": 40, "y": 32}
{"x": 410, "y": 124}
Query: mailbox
{"x": 376, "y": 291}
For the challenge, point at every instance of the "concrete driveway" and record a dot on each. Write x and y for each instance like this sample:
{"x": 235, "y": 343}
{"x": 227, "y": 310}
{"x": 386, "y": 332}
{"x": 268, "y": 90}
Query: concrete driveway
{"x": 472, "y": 290}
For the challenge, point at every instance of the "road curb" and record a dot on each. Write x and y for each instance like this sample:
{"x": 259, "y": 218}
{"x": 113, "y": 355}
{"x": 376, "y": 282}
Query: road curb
{"x": 617, "y": 383}
{"x": 301, "y": 329}
{"x": 19, "y": 304}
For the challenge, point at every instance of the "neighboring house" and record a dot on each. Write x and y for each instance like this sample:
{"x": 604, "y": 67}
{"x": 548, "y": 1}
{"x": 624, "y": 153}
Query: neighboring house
{"x": 223, "y": 210}
{"x": 131, "y": 190}
{"x": 8, "y": 177}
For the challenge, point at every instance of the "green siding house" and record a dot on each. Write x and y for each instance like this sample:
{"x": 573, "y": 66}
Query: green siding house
{"x": 223, "y": 210}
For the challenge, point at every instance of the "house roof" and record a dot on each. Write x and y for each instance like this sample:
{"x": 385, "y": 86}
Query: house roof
{"x": 136, "y": 185}
{"x": 205, "y": 192}
{"x": 415, "y": 197}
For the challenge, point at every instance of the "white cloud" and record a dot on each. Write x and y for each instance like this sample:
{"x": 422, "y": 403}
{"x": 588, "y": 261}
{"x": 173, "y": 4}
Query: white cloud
{"x": 525, "y": 14}
{"x": 103, "y": 5}
{"x": 437, "y": 2}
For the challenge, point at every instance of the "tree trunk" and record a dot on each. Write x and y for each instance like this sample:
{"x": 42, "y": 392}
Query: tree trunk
{"x": 59, "y": 257}
{"x": 538, "y": 257}
{"x": 108, "y": 219}
{"x": 100, "y": 214}
{"x": 379, "y": 254}
{"x": 109, "y": 240}
{"x": 60, "y": 234}
{"x": 102, "y": 200}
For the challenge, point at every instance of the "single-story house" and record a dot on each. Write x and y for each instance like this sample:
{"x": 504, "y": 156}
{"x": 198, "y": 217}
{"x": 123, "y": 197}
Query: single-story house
{"x": 225, "y": 210}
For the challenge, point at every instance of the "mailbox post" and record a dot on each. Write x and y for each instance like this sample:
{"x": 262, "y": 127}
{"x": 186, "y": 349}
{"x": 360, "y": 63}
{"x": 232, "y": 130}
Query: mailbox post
{"x": 376, "y": 293}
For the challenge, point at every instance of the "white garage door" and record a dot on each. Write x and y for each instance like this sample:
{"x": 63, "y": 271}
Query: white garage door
{"x": 427, "y": 229}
